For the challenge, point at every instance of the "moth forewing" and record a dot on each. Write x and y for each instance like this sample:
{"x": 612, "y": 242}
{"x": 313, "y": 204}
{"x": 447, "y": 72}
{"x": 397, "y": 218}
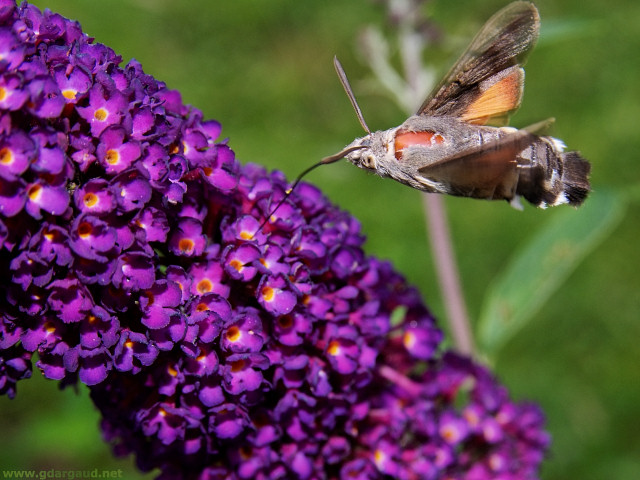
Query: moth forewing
{"x": 502, "y": 42}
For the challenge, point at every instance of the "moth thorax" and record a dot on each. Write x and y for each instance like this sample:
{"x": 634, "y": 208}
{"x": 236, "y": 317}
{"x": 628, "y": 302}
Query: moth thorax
{"x": 406, "y": 138}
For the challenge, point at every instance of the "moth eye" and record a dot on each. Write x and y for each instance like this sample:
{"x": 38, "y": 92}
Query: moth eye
{"x": 369, "y": 161}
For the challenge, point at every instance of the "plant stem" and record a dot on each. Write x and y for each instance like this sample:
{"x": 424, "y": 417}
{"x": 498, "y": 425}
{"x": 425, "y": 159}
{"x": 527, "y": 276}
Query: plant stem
{"x": 447, "y": 272}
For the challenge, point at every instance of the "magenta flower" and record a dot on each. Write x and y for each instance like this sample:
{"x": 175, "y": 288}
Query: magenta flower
{"x": 107, "y": 105}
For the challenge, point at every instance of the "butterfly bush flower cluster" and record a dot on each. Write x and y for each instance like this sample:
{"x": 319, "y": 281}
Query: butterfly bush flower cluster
{"x": 135, "y": 263}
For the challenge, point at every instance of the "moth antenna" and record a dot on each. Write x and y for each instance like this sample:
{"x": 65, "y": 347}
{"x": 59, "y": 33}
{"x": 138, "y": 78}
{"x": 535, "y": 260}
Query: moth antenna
{"x": 325, "y": 161}
{"x": 347, "y": 88}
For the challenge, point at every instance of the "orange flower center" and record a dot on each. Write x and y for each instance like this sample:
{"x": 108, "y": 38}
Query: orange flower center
{"x": 84, "y": 230}
{"x": 100, "y": 114}
{"x": 268, "y": 293}
{"x": 204, "y": 286}
{"x": 34, "y": 192}
{"x": 90, "y": 199}
{"x": 6, "y": 156}
{"x": 233, "y": 334}
{"x": 112, "y": 156}
{"x": 70, "y": 94}
{"x": 186, "y": 245}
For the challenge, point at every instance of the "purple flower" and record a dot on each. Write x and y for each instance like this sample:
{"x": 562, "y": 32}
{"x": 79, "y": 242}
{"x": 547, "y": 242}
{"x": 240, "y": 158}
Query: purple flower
{"x": 15, "y": 365}
{"x": 188, "y": 239}
{"x": 214, "y": 346}
{"x": 11, "y": 50}
{"x": 114, "y": 153}
{"x": 244, "y": 334}
{"x": 52, "y": 199}
{"x": 17, "y": 151}
{"x": 70, "y": 300}
{"x": 73, "y": 83}
{"x": 159, "y": 303}
{"x": 106, "y": 107}
{"x": 92, "y": 238}
{"x": 275, "y": 295}
{"x": 95, "y": 197}
{"x": 46, "y": 100}
{"x": 134, "y": 271}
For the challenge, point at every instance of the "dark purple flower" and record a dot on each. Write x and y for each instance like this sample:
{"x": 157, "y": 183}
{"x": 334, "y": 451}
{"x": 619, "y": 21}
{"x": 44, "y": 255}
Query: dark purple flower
{"x": 154, "y": 224}
{"x": 43, "y": 196}
{"x": 113, "y": 152}
{"x": 12, "y": 93}
{"x": 159, "y": 303}
{"x": 73, "y": 83}
{"x": 106, "y": 107}
{"x": 133, "y": 351}
{"x": 207, "y": 278}
{"x": 92, "y": 238}
{"x": 15, "y": 364}
{"x": 70, "y": 300}
{"x": 188, "y": 239}
{"x": 134, "y": 271}
{"x": 240, "y": 261}
{"x": 95, "y": 196}
{"x": 275, "y": 295}
{"x": 17, "y": 151}
{"x": 46, "y": 100}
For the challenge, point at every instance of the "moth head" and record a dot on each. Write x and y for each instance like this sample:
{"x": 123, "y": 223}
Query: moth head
{"x": 363, "y": 158}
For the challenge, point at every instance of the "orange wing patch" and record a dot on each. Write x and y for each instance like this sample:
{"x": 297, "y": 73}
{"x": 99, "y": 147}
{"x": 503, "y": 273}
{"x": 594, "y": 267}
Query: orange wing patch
{"x": 499, "y": 96}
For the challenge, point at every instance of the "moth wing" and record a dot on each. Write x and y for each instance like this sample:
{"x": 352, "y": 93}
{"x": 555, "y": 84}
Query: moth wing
{"x": 487, "y": 171}
{"x": 486, "y": 83}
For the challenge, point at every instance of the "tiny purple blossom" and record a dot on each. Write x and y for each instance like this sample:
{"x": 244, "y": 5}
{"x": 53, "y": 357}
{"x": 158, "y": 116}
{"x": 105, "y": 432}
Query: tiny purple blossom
{"x": 13, "y": 95}
{"x": 134, "y": 271}
{"x": 46, "y": 100}
{"x": 159, "y": 303}
{"x": 17, "y": 151}
{"x": 92, "y": 238}
{"x": 12, "y": 51}
{"x": 114, "y": 153}
{"x": 50, "y": 160}
{"x": 188, "y": 239}
{"x": 242, "y": 372}
{"x": 13, "y": 196}
{"x": 95, "y": 197}
{"x": 73, "y": 84}
{"x": 244, "y": 334}
{"x": 239, "y": 261}
{"x": 106, "y": 107}
{"x": 452, "y": 429}
{"x": 154, "y": 224}
{"x": 274, "y": 295}
{"x": 207, "y": 278}
{"x": 42, "y": 196}
{"x": 70, "y": 300}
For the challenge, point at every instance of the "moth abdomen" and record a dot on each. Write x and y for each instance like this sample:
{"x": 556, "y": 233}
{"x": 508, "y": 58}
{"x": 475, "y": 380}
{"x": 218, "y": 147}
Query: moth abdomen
{"x": 552, "y": 177}
{"x": 575, "y": 178}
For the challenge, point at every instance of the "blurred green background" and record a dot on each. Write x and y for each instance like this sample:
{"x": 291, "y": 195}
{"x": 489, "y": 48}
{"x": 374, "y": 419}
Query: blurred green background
{"x": 264, "y": 70}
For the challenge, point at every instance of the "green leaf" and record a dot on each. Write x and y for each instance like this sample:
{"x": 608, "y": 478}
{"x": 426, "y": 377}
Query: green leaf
{"x": 537, "y": 271}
